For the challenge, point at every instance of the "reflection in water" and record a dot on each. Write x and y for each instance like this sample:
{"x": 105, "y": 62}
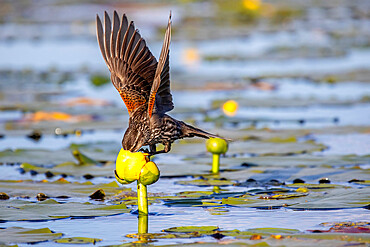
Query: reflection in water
{"x": 142, "y": 226}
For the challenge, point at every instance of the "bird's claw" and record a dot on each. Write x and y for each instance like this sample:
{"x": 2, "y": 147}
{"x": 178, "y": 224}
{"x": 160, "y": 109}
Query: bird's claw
{"x": 144, "y": 150}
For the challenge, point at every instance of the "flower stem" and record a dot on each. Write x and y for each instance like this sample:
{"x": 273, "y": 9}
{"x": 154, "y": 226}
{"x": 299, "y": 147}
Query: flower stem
{"x": 142, "y": 199}
{"x": 216, "y": 164}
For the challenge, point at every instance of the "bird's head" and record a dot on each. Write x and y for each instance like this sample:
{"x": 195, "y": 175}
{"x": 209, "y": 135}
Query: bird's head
{"x": 133, "y": 140}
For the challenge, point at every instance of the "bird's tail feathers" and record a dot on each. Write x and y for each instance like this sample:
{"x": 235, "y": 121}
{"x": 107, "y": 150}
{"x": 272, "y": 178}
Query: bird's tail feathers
{"x": 190, "y": 131}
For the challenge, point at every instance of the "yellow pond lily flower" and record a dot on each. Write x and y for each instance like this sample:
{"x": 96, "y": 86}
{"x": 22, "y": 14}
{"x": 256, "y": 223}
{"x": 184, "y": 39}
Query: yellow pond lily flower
{"x": 135, "y": 166}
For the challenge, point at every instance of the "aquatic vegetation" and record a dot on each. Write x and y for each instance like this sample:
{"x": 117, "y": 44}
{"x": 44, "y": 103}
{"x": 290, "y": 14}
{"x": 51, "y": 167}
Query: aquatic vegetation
{"x": 132, "y": 167}
{"x": 27, "y": 235}
{"x": 77, "y": 240}
{"x": 136, "y": 166}
{"x": 298, "y": 162}
{"x": 216, "y": 146}
{"x": 99, "y": 80}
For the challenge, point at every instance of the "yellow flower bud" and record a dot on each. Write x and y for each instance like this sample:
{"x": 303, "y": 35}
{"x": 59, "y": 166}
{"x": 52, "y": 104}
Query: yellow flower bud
{"x": 216, "y": 145}
{"x": 149, "y": 174}
{"x": 120, "y": 180}
{"x": 230, "y": 108}
{"x": 135, "y": 166}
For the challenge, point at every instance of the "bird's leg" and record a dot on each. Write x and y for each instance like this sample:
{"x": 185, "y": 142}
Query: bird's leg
{"x": 153, "y": 149}
{"x": 167, "y": 148}
{"x": 144, "y": 150}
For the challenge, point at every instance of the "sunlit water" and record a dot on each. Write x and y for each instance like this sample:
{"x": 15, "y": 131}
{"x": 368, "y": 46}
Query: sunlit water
{"x": 113, "y": 229}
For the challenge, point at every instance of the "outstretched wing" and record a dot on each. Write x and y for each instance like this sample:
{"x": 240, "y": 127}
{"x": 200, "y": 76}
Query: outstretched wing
{"x": 129, "y": 60}
{"x": 160, "y": 99}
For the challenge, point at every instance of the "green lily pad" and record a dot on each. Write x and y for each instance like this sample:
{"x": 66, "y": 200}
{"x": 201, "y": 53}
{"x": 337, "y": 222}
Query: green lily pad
{"x": 187, "y": 229}
{"x": 323, "y": 198}
{"x": 77, "y": 240}
{"x": 313, "y": 186}
{"x": 45, "y": 156}
{"x": 84, "y": 159}
{"x": 283, "y": 196}
{"x": 271, "y": 230}
{"x": 19, "y": 210}
{"x": 40, "y": 156}
{"x": 74, "y": 169}
{"x": 207, "y": 182}
{"x": 348, "y": 237}
{"x": 149, "y": 236}
{"x": 194, "y": 194}
{"x": 59, "y": 188}
{"x": 27, "y": 235}
{"x": 335, "y": 199}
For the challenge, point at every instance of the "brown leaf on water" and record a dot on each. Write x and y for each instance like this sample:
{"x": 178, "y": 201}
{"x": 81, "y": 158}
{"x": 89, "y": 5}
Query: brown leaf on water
{"x": 255, "y": 237}
{"x": 98, "y": 195}
{"x": 55, "y": 116}
{"x": 41, "y": 197}
{"x": 3, "y": 196}
{"x": 346, "y": 227}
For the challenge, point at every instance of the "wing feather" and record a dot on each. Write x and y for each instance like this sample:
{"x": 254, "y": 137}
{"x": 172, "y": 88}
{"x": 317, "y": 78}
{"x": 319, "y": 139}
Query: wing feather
{"x": 157, "y": 83}
{"x": 107, "y": 34}
{"x": 99, "y": 31}
{"x": 114, "y": 34}
{"x": 120, "y": 35}
{"x": 133, "y": 67}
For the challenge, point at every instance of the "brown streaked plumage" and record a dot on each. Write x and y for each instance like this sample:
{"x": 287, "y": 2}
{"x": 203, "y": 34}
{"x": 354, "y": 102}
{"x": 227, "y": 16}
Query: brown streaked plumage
{"x": 144, "y": 85}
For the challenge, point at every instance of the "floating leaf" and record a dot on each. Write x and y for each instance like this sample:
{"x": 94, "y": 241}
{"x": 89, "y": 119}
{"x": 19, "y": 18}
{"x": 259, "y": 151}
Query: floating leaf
{"x": 348, "y": 227}
{"x": 19, "y": 210}
{"x": 165, "y": 235}
{"x": 83, "y": 159}
{"x": 335, "y": 199}
{"x": 354, "y": 237}
{"x": 27, "y": 235}
{"x": 59, "y": 188}
{"x": 74, "y": 169}
{"x": 194, "y": 194}
{"x": 313, "y": 186}
{"x": 283, "y": 196}
{"x": 207, "y": 182}
{"x": 271, "y": 230}
{"x": 278, "y": 139}
{"x": 77, "y": 240}
{"x": 187, "y": 229}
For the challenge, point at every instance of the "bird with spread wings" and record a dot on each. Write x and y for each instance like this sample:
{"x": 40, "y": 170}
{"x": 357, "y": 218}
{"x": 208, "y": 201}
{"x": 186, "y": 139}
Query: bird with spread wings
{"x": 144, "y": 85}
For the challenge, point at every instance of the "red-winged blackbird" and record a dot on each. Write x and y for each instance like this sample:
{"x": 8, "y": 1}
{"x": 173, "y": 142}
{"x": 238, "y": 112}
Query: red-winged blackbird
{"x": 144, "y": 85}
